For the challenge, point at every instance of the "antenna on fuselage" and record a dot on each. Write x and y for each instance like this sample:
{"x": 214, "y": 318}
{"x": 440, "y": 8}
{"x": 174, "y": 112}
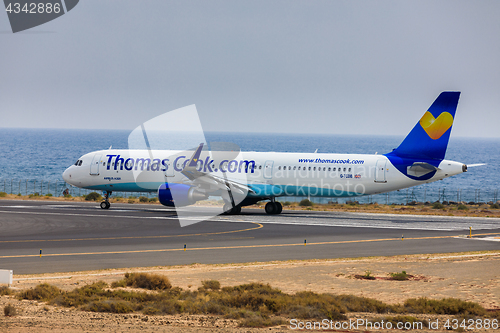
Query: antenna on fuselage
{"x": 316, "y": 151}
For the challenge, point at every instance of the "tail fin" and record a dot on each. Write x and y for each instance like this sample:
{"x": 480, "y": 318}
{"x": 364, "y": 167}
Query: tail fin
{"x": 429, "y": 138}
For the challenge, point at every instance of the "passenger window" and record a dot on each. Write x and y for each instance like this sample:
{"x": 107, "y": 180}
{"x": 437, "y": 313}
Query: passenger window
{"x": 344, "y": 169}
{"x": 324, "y": 168}
{"x": 260, "y": 167}
{"x": 314, "y": 169}
{"x": 309, "y": 168}
{"x": 279, "y": 168}
{"x": 349, "y": 169}
{"x": 294, "y": 167}
{"x": 289, "y": 168}
{"x": 329, "y": 169}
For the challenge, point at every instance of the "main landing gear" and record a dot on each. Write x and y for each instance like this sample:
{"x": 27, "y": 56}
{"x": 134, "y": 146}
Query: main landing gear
{"x": 273, "y": 207}
{"x": 105, "y": 204}
{"x": 230, "y": 210}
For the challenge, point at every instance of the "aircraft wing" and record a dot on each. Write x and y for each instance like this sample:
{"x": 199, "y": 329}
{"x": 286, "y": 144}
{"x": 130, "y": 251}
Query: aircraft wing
{"x": 198, "y": 177}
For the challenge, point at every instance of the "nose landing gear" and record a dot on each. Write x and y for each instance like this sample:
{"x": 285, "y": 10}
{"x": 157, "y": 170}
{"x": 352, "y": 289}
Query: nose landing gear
{"x": 105, "y": 204}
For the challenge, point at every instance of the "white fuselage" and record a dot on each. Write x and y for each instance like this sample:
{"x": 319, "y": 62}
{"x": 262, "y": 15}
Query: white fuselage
{"x": 270, "y": 174}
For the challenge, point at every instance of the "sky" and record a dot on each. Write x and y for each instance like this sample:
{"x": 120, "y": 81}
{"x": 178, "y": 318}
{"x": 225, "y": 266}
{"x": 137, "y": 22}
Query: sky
{"x": 335, "y": 67}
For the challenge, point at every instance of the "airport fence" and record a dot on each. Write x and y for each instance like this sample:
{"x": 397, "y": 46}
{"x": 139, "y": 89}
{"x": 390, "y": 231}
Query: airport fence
{"x": 40, "y": 187}
{"x": 414, "y": 195}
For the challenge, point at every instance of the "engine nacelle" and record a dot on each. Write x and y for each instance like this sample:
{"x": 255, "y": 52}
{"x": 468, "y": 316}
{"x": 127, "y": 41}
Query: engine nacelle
{"x": 179, "y": 195}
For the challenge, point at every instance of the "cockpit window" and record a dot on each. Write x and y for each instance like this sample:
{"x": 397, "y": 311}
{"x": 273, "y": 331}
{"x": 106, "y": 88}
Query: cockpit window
{"x": 79, "y": 164}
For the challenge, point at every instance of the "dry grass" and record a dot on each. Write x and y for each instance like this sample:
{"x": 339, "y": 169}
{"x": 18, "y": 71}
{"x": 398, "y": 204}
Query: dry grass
{"x": 254, "y": 304}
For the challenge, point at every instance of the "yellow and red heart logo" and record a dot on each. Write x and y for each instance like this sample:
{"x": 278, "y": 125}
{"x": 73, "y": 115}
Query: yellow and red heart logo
{"x": 436, "y": 127}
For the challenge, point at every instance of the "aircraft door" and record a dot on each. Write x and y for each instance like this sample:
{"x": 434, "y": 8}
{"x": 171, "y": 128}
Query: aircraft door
{"x": 170, "y": 169}
{"x": 94, "y": 166}
{"x": 380, "y": 171}
{"x": 268, "y": 169}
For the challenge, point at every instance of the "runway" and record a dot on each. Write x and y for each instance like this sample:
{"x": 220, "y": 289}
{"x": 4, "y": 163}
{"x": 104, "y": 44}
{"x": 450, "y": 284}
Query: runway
{"x": 76, "y": 236}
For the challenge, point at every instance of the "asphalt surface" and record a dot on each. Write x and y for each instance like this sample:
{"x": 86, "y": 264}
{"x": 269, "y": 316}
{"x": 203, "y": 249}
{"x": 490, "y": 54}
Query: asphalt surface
{"x": 80, "y": 236}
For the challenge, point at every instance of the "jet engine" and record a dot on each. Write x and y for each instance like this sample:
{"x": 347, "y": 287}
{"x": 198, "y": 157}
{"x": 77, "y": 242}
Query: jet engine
{"x": 179, "y": 195}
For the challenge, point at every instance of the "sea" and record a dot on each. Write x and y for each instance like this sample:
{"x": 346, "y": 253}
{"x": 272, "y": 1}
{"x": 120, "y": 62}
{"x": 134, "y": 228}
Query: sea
{"x": 33, "y": 160}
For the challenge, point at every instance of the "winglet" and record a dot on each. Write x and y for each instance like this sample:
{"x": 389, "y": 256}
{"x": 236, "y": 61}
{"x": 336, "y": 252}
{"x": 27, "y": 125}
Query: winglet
{"x": 194, "y": 159}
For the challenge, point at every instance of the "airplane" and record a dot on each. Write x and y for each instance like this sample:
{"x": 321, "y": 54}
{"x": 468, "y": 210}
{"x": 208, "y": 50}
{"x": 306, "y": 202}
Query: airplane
{"x": 244, "y": 179}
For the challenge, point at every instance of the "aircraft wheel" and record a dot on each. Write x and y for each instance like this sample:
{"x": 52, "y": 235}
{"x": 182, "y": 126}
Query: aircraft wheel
{"x": 271, "y": 208}
{"x": 279, "y": 207}
{"x": 108, "y": 205}
{"x": 105, "y": 205}
{"x": 227, "y": 209}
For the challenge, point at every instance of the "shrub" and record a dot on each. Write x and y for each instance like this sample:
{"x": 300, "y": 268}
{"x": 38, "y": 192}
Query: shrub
{"x": 368, "y": 276}
{"x": 42, "y": 292}
{"x": 449, "y": 306}
{"x": 259, "y": 321}
{"x": 210, "y": 284}
{"x": 399, "y": 276}
{"x": 3, "y": 194}
{"x": 93, "y": 196}
{"x": 147, "y": 281}
{"x": 153, "y": 200}
{"x": 437, "y": 205}
{"x": 131, "y": 201}
{"x": 47, "y": 195}
{"x": 305, "y": 203}
{"x": 143, "y": 199}
{"x": 5, "y": 291}
{"x": 110, "y": 306}
{"x": 362, "y": 304}
{"x": 462, "y": 207}
{"x": 495, "y": 206}
{"x": 9, "y": 310}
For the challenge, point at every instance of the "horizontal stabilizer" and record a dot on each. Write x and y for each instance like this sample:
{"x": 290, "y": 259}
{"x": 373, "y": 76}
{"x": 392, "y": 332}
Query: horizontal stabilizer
{"x": 419, "y": 169}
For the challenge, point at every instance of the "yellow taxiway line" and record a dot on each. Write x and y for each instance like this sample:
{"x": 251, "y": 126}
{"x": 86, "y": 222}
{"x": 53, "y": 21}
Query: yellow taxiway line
{"x": 237, "y": 246}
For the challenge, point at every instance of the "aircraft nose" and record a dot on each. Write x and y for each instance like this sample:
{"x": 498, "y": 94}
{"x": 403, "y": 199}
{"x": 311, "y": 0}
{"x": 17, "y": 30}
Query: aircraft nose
{"x": 67, "y": 175}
